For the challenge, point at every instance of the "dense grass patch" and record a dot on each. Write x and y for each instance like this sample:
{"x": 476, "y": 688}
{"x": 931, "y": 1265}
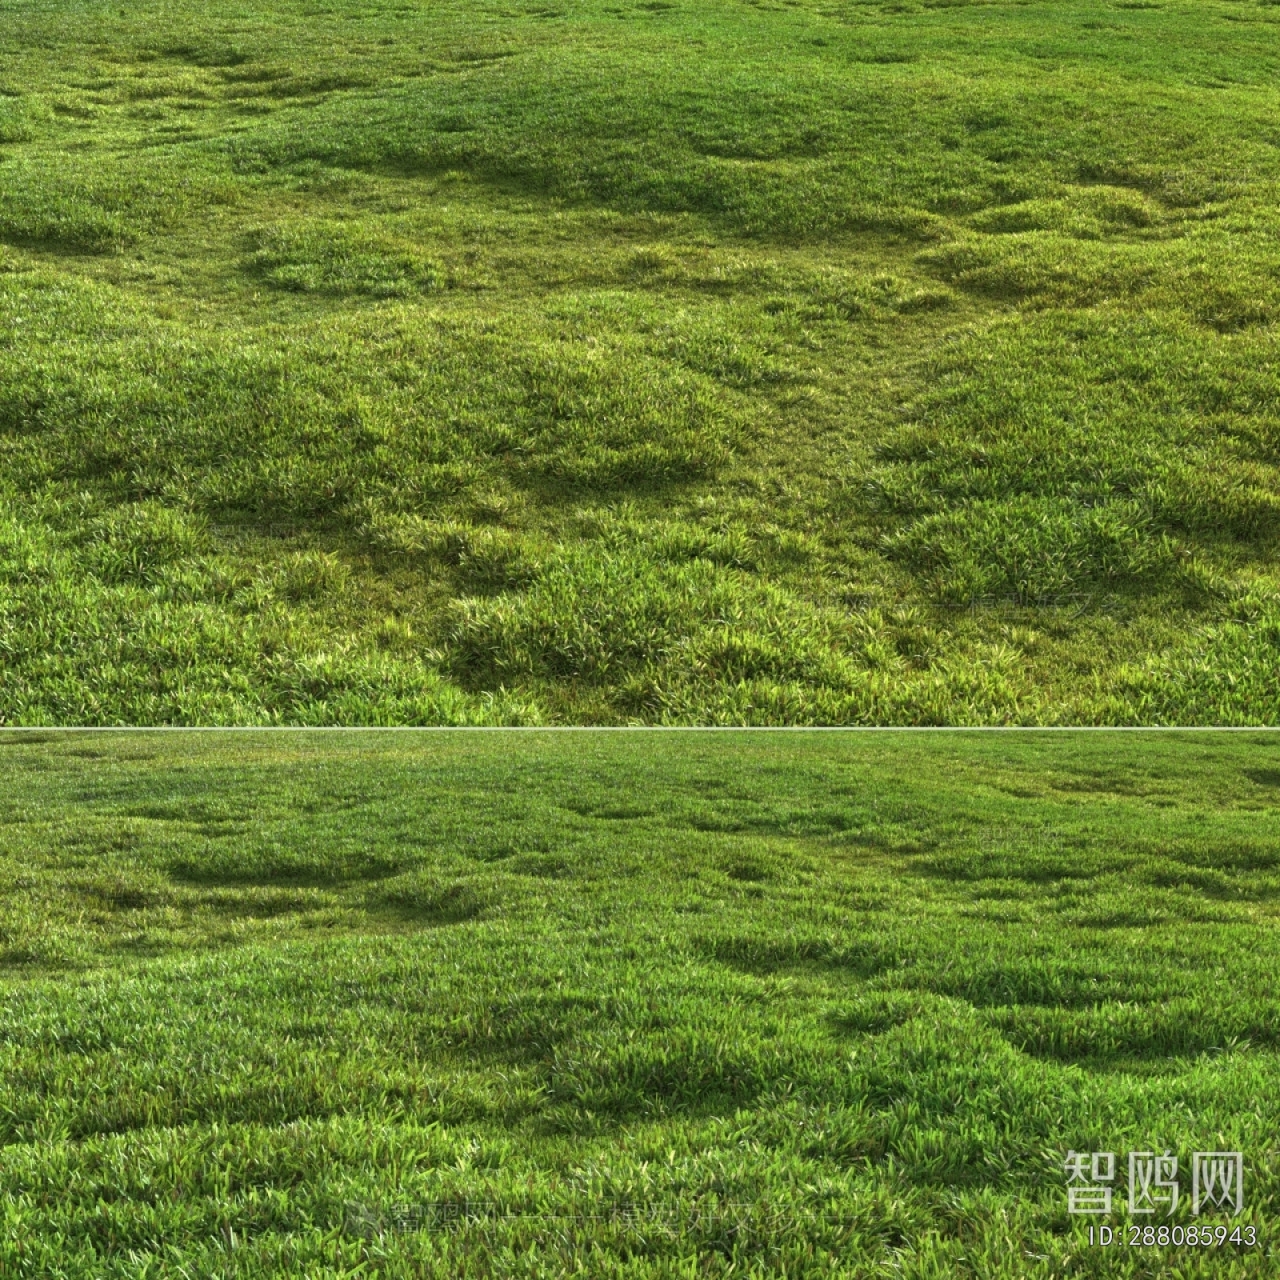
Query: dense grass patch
{"x": 605, "y": 362}
{"x": 649, "y": 1006}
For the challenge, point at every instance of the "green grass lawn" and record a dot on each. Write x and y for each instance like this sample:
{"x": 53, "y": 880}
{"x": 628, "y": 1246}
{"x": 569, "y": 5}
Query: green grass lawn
{"x": 597, "y": 361}
{"x": 678, "y": 1005}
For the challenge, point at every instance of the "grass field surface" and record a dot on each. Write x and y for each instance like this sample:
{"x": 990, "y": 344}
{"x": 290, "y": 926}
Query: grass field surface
{"x": 626, "y": 1004}
{"x": 595, "y": 361}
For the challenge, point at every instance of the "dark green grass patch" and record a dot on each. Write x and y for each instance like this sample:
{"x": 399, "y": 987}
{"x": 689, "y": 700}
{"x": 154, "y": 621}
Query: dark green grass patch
{"x": 626, "y": 1005}
{"x": 329, "y": 259}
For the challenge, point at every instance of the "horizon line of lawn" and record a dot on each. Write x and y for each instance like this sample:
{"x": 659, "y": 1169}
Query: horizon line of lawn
{"x": 642, "y": 728}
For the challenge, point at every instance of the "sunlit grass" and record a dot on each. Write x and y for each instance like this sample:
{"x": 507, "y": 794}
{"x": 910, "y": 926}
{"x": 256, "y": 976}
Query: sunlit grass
{"x": 607, "y": 362}
{"x": 693, "y": 1004}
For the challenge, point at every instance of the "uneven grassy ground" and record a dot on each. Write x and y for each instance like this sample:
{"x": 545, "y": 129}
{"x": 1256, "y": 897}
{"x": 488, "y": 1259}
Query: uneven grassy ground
{"x": 694, "y": 1005}
{"x": 597, "y": 361}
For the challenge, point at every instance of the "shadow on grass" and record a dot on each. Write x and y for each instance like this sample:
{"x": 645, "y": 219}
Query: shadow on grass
{"x": 294, "y": 871}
